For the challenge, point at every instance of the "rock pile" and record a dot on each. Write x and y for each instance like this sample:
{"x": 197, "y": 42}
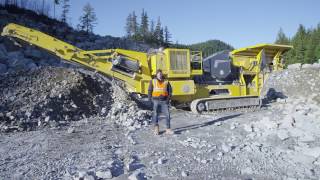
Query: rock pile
{"x": 294, "y": 82}
{"x": 125, "y": 111}
{"x": 33, "y": 94}
{"x": 50, "y": 96}
{"x": 289, "y": 126}
{"x": 296, "y": 91}
{"x": 298, "y": 118}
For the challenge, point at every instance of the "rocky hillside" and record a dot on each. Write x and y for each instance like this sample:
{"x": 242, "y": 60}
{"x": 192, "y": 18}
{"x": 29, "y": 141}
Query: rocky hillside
{"x": 14, "y": 58}
{"x": 38, "y": 90}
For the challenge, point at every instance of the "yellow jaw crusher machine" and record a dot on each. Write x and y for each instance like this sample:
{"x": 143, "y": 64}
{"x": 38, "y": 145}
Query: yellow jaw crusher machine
{"x": 225, "y": 80}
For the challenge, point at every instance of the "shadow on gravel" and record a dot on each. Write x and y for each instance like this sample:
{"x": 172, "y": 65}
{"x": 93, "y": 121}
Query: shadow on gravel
{"x": 196, "y": 126}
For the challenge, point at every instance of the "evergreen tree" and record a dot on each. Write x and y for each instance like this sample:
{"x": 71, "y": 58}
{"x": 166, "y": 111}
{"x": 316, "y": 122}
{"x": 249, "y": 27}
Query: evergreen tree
{"x": 282, "y": 38}
{"x": 299, "y": 42}
{"x": 144, "y": 27}
{"x": 128, "y": 27}
{"x": 88, "y": 20}
{"x": 134, "y": 23}
{"x": 55, "y": 2}
{"x": 157, "y": 32}
{"x": 317, "y": 45}
{"x": 147, "y": 32}
{"x": 167, "y": 36}
{"x": 306, "y": 45}
{"x": 151, "y": 27}
{"x": 65, "y": 10}
{"x": 161, "y": 37}
{"x": 313, "y": 46}
{"x": 134, "y": 26}
{"x": 152, "y": 37}
{"x": 317, "y": 53}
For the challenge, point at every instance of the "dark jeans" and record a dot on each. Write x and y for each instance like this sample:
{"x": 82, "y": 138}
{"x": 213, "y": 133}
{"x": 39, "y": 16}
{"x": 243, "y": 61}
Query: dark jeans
{"x": 160, "y": 106}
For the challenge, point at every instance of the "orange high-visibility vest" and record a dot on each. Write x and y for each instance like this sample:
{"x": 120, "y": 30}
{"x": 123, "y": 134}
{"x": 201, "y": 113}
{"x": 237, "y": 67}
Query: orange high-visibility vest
{"x": 159, "y": 88}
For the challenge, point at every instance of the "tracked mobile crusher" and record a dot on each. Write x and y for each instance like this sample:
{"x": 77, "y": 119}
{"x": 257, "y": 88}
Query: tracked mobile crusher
{"x": 222, "y": 81}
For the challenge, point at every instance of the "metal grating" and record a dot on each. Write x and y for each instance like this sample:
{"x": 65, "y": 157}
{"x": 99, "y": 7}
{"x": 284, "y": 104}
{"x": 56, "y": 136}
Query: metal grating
{"x": 178, "y": 62}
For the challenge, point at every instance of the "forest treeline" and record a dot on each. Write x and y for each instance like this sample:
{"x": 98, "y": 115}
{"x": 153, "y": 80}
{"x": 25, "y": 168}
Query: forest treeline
{"x": 306, "y": 41}
{"x": 149, "y": 31}
{"x": 306, "y": 45}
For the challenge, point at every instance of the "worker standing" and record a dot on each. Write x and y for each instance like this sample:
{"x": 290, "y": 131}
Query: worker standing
{"x": 160, "y": 92}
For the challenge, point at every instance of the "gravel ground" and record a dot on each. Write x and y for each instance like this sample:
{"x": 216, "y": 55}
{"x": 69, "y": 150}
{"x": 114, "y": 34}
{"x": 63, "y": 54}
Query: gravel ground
{"x": 205, "y": 147}
{"x": 85, "y": 148}
{"x": 279, "y": 141}
{"x": 59, "y": 123}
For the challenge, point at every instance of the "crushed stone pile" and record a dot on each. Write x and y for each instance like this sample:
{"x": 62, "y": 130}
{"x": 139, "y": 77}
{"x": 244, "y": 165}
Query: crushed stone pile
{"x": 293, "y": 117}
{"x": 297, "y": 118}
{"x": 50, "y": 96}
{"x": 294, "y": 82}
{"x": 125, "y": 112}
{"x": 291, "y": 126}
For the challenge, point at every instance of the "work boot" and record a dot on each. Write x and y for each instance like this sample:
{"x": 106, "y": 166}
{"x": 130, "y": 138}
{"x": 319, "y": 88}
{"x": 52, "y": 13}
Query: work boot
{"x": 156, "y": 130}
{"x": 169, "y": 131}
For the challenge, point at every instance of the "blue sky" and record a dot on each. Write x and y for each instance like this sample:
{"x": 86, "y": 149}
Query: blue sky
{"x": 237, "y": 22}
